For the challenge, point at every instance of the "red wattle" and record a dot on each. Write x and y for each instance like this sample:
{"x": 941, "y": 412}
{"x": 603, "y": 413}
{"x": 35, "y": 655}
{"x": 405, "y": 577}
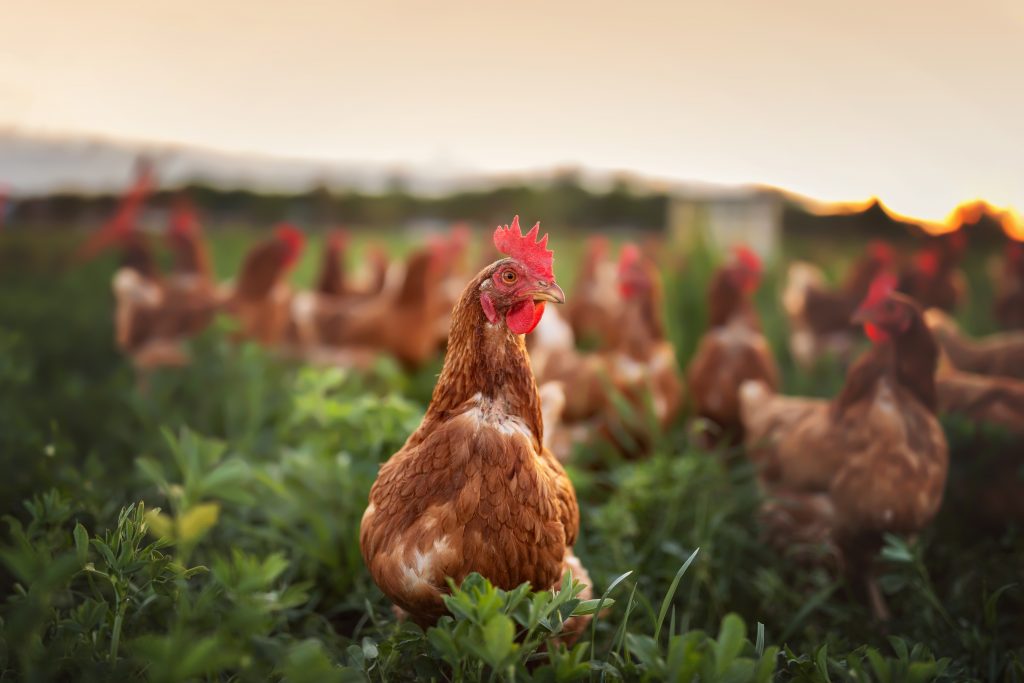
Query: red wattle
{"x": 875, "y": 333}
{"x": 524, "y": 316}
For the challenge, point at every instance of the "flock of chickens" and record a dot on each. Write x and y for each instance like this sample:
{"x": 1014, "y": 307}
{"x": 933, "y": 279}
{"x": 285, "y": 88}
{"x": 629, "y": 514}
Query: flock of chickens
{"x": 480, "y": 485}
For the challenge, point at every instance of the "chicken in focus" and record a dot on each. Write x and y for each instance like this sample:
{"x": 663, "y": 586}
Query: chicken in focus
{"x": 871, "y": 461}
{"x": 473, "y": 489}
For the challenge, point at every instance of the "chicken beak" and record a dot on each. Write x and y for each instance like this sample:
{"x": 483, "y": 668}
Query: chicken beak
{"x": 550, "y": 292}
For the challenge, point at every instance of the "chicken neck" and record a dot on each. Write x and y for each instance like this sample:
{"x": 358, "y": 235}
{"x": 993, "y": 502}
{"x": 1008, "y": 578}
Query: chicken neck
{"x": 485, "y": 361}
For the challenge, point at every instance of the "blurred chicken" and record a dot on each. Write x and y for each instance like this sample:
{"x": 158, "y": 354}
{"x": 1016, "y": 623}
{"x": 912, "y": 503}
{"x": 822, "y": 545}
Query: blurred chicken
{"x": 1009, "y": 307}
{"x": 260, "y": 297}
{"x": 733, "y": 349}
{"x": 474, "y": 489}
{"x": 641, "y": 368}
{"x": 871, "y": 461}
{"x": 987, "y": 478}
{"x": 185, "y": 239}
{"x": 1000, "y": 355}
{"x": 333, "y": 281}
{"x": 595, "y": 310}
{"x": 150, "y": 318}
{"x": 819, "y": 318}
{"x": 644, "y": 369}
{"x": 933, "y": 278}
{"x": 401, "y": 322}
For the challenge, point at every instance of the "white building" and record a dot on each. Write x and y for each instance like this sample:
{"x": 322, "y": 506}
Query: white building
{"x": 722, "y": 217}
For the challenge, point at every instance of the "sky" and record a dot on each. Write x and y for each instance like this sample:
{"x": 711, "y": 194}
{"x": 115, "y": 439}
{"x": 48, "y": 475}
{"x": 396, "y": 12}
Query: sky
{"x": 920, "y": 103}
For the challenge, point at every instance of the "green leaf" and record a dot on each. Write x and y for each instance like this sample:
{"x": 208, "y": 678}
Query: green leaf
{"x": 729, "y": 643}
{"x": 667, "y": 601}
{"x": 499, "y": 634}
{"x": 81, "y": 543}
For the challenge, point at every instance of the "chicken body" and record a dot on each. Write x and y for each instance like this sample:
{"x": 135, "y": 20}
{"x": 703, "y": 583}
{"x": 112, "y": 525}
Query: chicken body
{"x": 732, "y": 351}
{"x": 474, "y": 489}
{"x": 819, "y": 317}
{"x": 874, "y": 459}
{"x": 260, "y": 299}
{"x": 401, "y": 322}
{"x": 999, "y": 355}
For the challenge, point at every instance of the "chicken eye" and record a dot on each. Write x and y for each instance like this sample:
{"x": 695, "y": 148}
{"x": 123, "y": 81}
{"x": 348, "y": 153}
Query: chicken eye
{"x": 509, "y": 276}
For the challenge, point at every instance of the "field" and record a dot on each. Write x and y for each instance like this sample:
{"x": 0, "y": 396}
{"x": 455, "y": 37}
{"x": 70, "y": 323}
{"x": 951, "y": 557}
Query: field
{"x": 205, "y": 526}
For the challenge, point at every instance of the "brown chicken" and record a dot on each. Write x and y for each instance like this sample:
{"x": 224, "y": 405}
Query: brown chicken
{"x": 644, "y": 369}
{"x": 871, "y": 461}
{"x": 473, "y": 489}
{"x": 151, "y": 318}
{"x": 999, "y": 355}
{"x": 933, "y": 278}
{"x": 594, "y": 313}
{"x": 333, "y": 280}
{"x": 1009, "y": 305}
{"x": 401, "y": 322}
{"x": 733, "y": 349}
{"x": 641, "y": 369}
{"x": 987, "y": 481}
{"x": 260, "y": 298}
{"x": 819, "y": 317}
{"x": 185, "y": 240}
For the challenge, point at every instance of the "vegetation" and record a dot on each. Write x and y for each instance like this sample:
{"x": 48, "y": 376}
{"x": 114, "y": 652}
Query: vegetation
{"x": 205, "y": 527}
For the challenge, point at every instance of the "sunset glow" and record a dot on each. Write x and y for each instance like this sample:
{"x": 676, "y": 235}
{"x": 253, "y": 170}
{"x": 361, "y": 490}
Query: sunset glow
{"x": 838, "y": 102}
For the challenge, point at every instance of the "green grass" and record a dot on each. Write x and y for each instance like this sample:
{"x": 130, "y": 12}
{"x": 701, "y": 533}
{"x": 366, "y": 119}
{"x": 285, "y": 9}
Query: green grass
{"x": 207, "y": 528}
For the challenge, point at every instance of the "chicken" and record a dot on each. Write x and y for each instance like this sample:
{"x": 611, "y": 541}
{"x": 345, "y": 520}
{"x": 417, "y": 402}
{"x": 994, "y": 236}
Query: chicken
{"x": 1009, "y": 305}
{"x": 333, "y": 280}
{"x": 733, "y": 349}
{"x": 933, "y": 278}
{"x": 871, "y": 461}
{"x": 260, "y": 298}
{"x": 641, "y": 369}
{"x": 987, "y": 482}
{"x": 473, "y": 489}
{"x": 595, "y": 310}
{"x": 330, "y": 281}
{"x": 999, "y": 354}
{"x": 142, "y": 327}
{"x": 819, "y": 318}
{"x": 982, "y": 399}
{"x": 185, "y": 240}
{"x": 644, "y": 369}
{"x": 401, "y": 322}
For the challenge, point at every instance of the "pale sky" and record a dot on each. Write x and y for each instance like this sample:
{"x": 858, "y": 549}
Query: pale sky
{"x": 918, "y": 102}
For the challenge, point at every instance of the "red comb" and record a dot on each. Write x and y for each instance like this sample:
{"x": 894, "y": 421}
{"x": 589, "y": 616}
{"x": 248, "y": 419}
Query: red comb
{"x": 880, "y": 251}
{"x": 747, "y": 258}
{"x": 882, "y": 286}
{"x": 532, "y": 252}
{"x": 293, "y": 240}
